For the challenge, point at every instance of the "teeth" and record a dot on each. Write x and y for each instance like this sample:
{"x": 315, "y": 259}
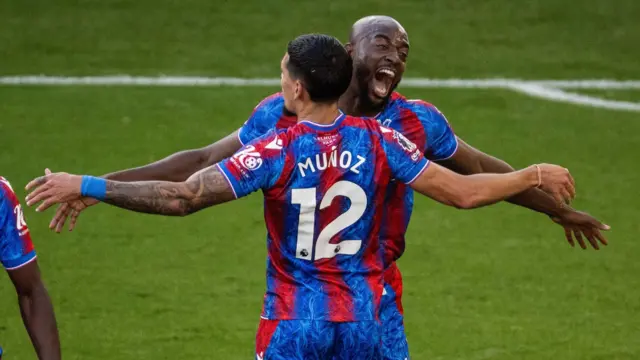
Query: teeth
{"x": 387, "y": 72}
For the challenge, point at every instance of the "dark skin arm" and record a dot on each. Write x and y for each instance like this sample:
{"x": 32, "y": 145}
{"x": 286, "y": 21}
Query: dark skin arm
{"x": 37, "y": 310}
{"x": 176, "y": 167}
{"x": 468, "y": 160}
{"x": 181, "y": 165}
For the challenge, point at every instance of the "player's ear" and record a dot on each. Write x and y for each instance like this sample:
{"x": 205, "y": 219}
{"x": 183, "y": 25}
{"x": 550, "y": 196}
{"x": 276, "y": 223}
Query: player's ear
{"x": 349, "y": 48}
{"x": 298, "y": 90}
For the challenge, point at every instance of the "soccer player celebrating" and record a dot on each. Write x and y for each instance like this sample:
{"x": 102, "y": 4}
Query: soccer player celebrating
{"x": 324, "y": 181}
{"x": 379, "y": 46}
{"x": 19, "y": 259}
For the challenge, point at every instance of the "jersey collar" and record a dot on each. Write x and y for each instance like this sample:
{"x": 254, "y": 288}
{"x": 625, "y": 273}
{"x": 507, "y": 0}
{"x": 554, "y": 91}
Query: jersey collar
{"x": 325, "y": 127}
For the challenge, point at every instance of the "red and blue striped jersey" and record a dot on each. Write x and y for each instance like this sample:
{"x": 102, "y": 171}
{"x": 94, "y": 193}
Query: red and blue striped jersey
{"x": 420, "y": 122}
{"x": 16, "y": 248}
{"x": 424, "y": 125}
{"x": 324, "y": 187}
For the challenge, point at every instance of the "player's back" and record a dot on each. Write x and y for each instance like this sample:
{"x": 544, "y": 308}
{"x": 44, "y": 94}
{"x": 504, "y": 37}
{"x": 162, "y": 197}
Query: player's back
{"x": 420, "y": 122}
{"x": 16, "y": 248}
{"x": 323, "y": 207}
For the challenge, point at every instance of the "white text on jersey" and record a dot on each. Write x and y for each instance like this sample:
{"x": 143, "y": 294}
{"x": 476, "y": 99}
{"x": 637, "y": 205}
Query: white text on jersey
{"x": 331, "y": 159}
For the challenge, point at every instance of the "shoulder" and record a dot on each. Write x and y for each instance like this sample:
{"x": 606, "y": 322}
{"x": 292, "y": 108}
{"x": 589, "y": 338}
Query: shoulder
{"x": 6, "y": 191}
{"x": 358, "y": 122}
{"x": 422, "y": 110}
{"x": 272, "y": 142}
{"x": 270, "y": 109}
{"x": 371, "y": 126}
{"x": 428, "y": 119}
{"x": 8, "y": 199}
{"x": 272, "y": 101}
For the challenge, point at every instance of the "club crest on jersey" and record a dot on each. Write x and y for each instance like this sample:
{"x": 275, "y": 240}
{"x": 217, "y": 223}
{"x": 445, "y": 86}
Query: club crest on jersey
{"x": 404, "y": 142}
{"x": 249, "y": 158}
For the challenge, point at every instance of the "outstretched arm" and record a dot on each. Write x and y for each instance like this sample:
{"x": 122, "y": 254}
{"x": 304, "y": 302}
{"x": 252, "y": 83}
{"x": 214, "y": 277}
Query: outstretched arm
{"x": 205, "y": 188}
{"x": 181, "y": 165}
{"x": 576, "y": 224}
{"x": 37, "y": 311}
{"x": 467, "y": 160}
{"x": 176, "y": 167}
{"x": 468, "y": 192}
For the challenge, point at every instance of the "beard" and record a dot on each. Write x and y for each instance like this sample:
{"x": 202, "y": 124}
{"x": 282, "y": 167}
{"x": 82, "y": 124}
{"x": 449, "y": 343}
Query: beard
{"x": 364, "y": 79}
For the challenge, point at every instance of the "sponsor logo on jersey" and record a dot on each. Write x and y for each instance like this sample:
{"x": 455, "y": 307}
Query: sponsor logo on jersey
{"x": 249, "y": 158}
{"x": 328, "y": 139}
{"x": 275, "y": 144}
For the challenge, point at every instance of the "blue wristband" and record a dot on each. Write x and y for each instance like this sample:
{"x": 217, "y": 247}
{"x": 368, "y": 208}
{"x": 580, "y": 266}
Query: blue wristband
{"x": 94, "y": 187}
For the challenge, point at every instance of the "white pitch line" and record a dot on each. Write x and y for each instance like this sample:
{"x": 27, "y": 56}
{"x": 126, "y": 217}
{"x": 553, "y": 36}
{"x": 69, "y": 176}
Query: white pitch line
{"x": 126, "y": 80}
{"x": 589, "y": 84}
{"x": 546, "y": 89}
{"x": 129, "y": 80}
{"x": 508, "y": 83}
{"x": 559, "y": 95}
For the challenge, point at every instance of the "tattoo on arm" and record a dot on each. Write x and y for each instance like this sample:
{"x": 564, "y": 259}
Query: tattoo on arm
{"x": 205, "y": 188}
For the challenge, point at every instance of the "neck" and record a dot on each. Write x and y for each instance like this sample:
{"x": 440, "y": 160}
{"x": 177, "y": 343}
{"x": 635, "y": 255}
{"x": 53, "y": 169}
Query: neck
{"x": 353, "y": 103}
{"x": 319, "y": 113}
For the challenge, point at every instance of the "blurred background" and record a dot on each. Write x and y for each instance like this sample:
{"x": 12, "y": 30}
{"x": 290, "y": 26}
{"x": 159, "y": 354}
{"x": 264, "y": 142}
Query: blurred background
{"x": 496, "y": 283}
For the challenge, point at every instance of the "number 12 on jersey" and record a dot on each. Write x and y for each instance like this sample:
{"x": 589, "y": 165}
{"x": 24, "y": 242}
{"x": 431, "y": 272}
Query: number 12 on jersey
{"x": 306, "y": 198}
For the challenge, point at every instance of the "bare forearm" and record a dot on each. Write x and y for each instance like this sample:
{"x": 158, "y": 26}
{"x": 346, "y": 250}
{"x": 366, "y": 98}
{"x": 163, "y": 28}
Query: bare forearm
{"x": 468, "y": 192}
{"x": 469, "y": 160}
{"x": 150, "y": 197}
{"x": 205, "y": 188}
{"x": 181, "y": 165}
{"x": 39, "y": 319}
{"x": 534, "y": 199}
{"x": 486, "y": 189}
{"x": 176, "y": 167}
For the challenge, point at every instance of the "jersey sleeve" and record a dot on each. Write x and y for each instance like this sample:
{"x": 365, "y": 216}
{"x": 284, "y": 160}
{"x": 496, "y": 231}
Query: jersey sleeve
{"x": 405, "y": 159}
{"x": 257, "y": 165}
{"x": 263, "y": 118}
{"x": 441, "y": 140}
{"x": 16, "y": 247}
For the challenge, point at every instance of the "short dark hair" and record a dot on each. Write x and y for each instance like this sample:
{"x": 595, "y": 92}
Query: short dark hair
{"x": 323, "y": 65}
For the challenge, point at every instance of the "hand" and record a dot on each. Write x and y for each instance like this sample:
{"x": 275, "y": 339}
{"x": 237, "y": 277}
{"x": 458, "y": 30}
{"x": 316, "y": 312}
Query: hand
{"x": 73, "y": 208}
{"x": 53, "y": 189}
{"x": 557, "y": 182}
{"x": 578, "y": 223}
